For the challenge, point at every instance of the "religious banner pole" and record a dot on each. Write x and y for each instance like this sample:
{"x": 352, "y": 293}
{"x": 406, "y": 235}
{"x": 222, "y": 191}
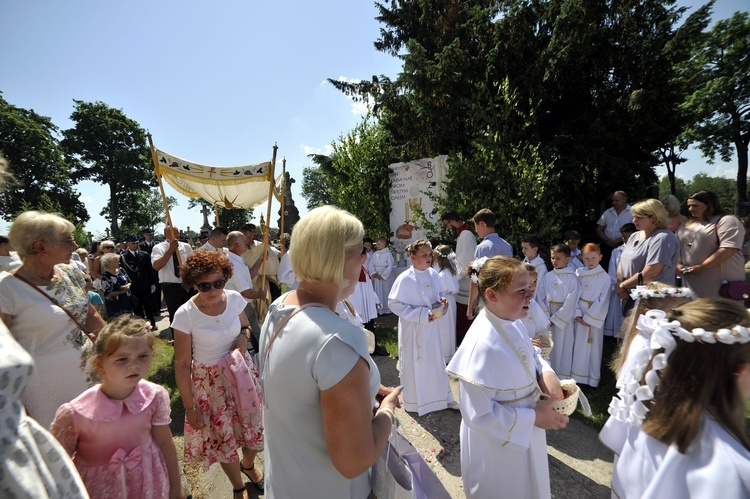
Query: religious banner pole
{"x": 266, "y": 238}
{"x": 283, "y": 201}
{"x": 161, "y": 189}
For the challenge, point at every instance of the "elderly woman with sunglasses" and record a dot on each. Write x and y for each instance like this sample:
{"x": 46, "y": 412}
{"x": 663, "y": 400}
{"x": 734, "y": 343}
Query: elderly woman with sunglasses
{"x": 44, "y": 305}
{"x": 216, "y": 378}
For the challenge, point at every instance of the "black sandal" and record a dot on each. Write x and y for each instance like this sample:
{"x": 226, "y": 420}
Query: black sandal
{"x": 239, "y": 491}
{"x": 260, "y": 484}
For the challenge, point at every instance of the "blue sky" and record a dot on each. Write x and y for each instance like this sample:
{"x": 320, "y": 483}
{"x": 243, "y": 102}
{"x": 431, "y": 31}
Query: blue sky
{"x": 214, "y": 82}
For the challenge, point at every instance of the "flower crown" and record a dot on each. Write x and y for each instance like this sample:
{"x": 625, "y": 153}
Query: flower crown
{"x": 476, "y": 266}
{"x": 641, "y": 292}
{"x": 629, "y": 404}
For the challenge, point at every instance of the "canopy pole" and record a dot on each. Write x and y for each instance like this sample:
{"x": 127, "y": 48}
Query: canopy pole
{"x": 161, "y": 190}
{"x": 216, "y": 214}
{"x": 266, "y": 238}
{"x": 283, "y": 203}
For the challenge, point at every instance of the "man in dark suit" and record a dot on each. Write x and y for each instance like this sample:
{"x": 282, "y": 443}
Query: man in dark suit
{"x": 146, "y": 244}
{"x": 137, "y": 265}
{"x": 147, "y": 241}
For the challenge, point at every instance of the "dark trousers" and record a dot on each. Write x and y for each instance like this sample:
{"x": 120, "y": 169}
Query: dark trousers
{"x": 142, "y": 305}
{"x": 274, "y": 289}
{"x": 174, "y": 295}
{"x": 462, "y": 323}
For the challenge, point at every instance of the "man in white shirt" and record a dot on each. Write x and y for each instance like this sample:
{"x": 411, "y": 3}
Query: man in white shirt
{"x": 217, "y": 240}
{"x": 164, "y": 259}
{"x": 243, "y": 283}
{"x": 609, "y": 224}
{"x": 466, "y": 245}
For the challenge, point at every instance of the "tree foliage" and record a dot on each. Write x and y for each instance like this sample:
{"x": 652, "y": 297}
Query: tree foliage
{"x": 30, "y": 142}
{"x": 109, "y": 148}
{"x": 315, "y": 188}
{"x": 724, "y": 188}
{"x": 230, "y": 219}
{"x": 140, "y": 209}
{"x": 721, "y": 98}
{"x": 356, "y": 176}
{"x": 582, "y": 93}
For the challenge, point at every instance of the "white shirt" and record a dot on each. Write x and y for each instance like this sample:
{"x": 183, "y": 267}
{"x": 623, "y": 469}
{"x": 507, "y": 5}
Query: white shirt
{"x": 166, "y": 273}
{"x": 612, "y": 222}
{"x": 240, "y": 280}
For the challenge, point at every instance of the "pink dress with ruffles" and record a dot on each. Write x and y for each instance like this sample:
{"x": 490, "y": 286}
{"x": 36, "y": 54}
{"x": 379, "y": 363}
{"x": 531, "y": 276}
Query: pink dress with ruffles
{"x": 110, "y": 441}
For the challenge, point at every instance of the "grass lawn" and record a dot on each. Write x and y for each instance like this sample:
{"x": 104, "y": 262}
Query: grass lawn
{"x": 162, "y": 373}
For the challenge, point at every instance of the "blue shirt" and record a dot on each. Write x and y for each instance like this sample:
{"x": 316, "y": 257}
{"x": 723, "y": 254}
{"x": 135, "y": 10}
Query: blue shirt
{"x": 493, "y": 245}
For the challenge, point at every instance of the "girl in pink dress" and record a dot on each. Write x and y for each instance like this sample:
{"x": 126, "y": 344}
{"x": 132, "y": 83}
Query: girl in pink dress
{"x": 117, "y": 432}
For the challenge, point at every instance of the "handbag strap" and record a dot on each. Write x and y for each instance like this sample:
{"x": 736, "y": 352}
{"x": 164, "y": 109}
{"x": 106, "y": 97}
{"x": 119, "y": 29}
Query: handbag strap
{"x": 283, "y": 323}
{"x": 53, "y": 300}
{"x": 499, "y": 328}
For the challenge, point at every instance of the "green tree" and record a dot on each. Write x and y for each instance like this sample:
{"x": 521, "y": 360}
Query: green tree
{"x": 230, "y": 219}
{"x": 593, "y": 86}
{"x": 315, "y": 188}
{"x": 139, "y": 210}
{"x": 109, "y": 148}
{"x": 357, "y": 176}
{"x": 724, "y": 188}
{"x": 31, "y": 145}
{"x": 722, "y": 97}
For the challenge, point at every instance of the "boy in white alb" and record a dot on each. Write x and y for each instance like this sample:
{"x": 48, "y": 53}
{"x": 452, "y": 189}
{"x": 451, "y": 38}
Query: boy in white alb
{"x": 381, "y": 266}
{"x": 530, "y": 249}
{"x": 557, "y": 293}
{"x": 572, "y": 239}
{"x": 589, "y": 317}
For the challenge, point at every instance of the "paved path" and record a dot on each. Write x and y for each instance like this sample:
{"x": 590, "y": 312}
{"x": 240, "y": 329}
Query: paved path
{"x": 580, "y": 465}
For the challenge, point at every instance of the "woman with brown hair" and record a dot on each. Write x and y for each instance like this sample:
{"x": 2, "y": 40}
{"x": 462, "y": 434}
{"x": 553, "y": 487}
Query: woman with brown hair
{"x": 685, "y": 409}
{"x": 710, "y": 244}
{"x": 218, "y": 382}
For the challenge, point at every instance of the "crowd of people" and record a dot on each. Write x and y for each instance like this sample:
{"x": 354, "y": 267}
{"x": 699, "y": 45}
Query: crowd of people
{"x": 302, "y": 386}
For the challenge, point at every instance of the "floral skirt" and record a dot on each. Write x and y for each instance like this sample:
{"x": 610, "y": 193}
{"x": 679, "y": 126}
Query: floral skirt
{"x": 227, "y": 428}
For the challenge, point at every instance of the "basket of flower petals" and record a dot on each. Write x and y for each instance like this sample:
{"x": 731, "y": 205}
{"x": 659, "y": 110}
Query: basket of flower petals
{"x": 438, "y": 310}
{"x": 570, "y": 393}
{"x": 545, "y": 343}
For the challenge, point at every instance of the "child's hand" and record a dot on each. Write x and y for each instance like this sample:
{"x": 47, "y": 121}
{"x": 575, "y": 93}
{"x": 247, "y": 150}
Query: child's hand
{"x": 548, "y": 419}
{"x": 537, "y": 343}
{"x": 550, "y": 385}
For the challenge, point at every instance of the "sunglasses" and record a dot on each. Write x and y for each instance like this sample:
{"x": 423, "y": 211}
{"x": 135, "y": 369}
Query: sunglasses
{"x": 206, "y": 286}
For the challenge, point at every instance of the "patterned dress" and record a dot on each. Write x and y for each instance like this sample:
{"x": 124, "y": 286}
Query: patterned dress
{"x": 32, "y": 462}
{"x": 55, "y": 342}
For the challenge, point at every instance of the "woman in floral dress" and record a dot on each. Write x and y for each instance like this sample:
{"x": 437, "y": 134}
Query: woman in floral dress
{"x": 218, "y": 381}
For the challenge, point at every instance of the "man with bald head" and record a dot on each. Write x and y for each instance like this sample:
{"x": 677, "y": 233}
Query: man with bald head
{"x": 243, "y": 283}
{"x": 165, "y": 261}
{"x": 609, "y": 224}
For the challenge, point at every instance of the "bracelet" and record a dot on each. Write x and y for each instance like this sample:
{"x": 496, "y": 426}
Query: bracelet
{"x": 389, "y": 412}
{"x": 194, "y": 408}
